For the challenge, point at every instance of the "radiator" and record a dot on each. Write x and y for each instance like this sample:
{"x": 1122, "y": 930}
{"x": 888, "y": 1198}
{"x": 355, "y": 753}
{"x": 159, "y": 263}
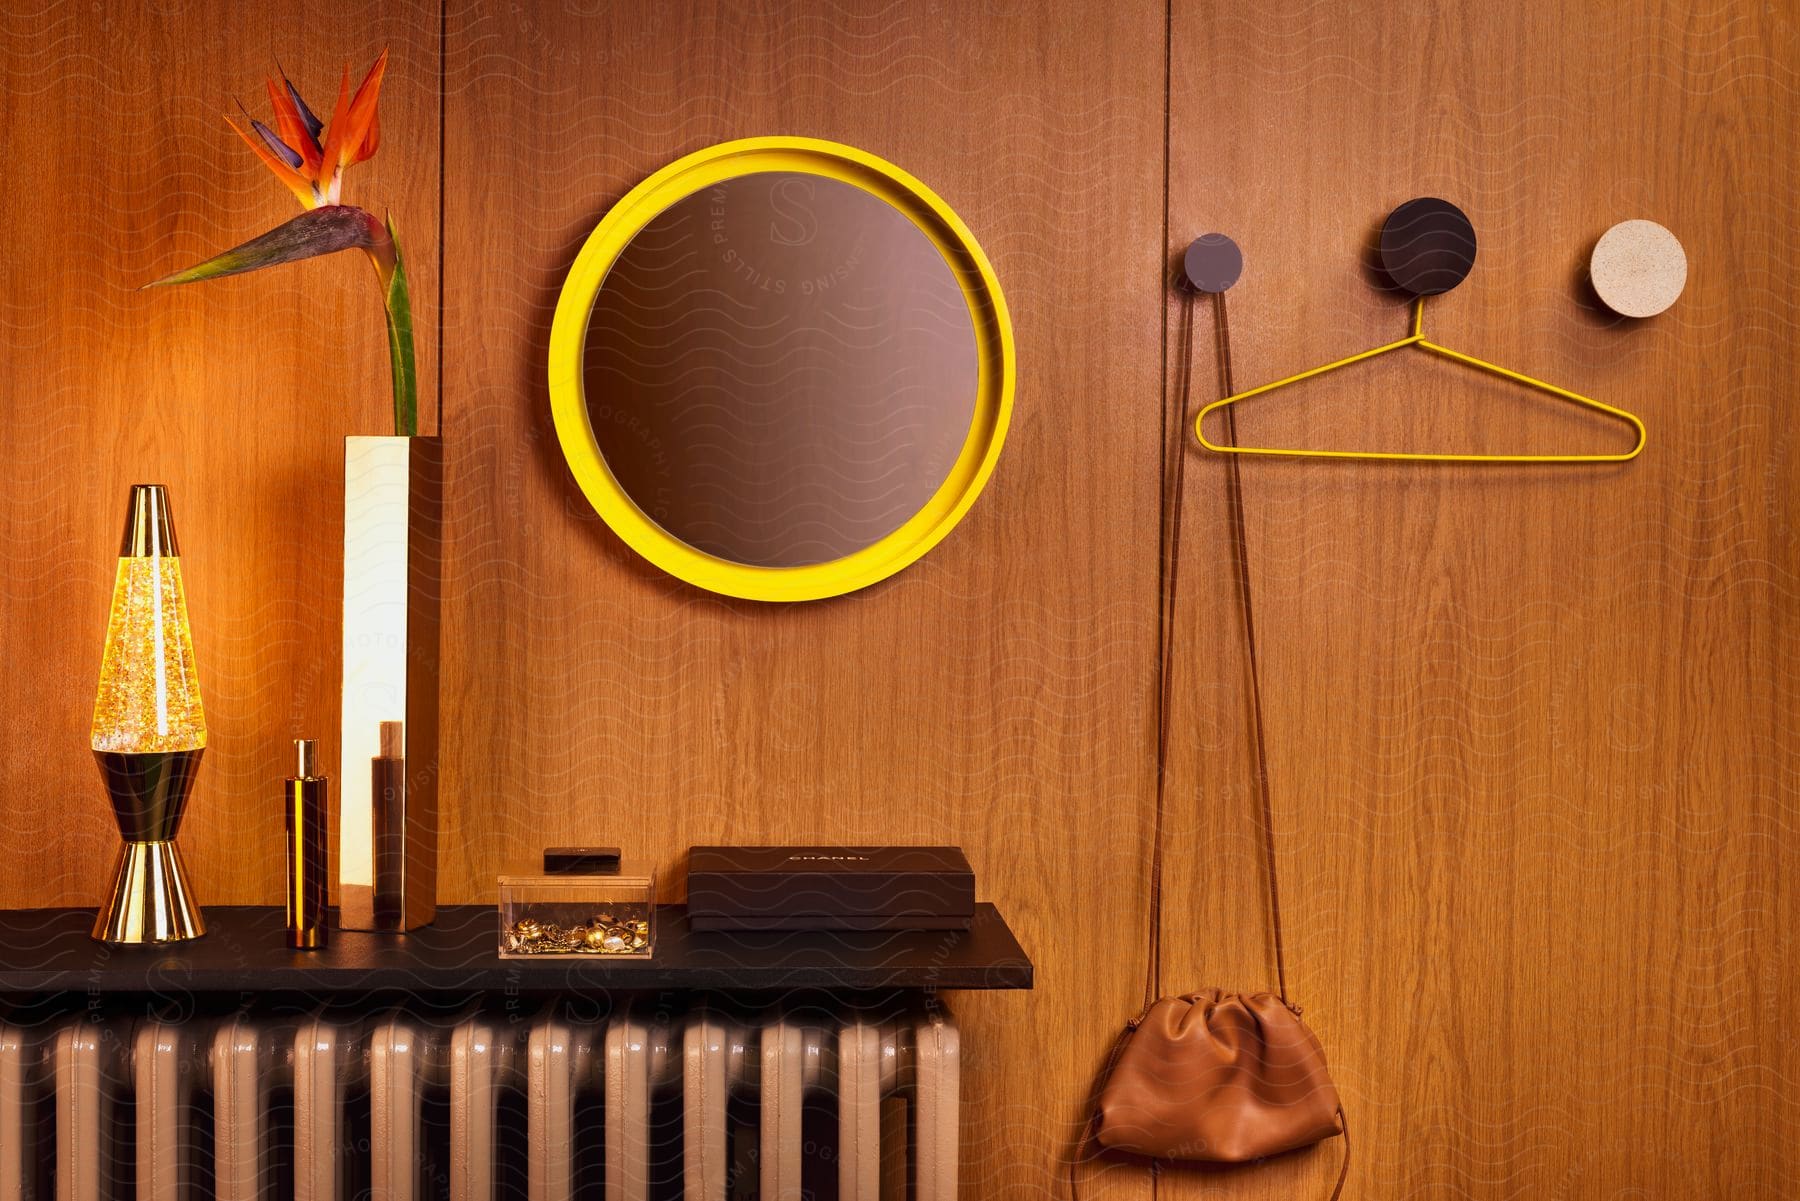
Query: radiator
{"x": 543, "y": 1101}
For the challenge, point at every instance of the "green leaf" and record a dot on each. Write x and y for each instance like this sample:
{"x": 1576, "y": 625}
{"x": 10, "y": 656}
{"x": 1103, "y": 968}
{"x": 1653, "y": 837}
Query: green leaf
{"x": 318, "y": 231}
{"x": 404, "y": 371}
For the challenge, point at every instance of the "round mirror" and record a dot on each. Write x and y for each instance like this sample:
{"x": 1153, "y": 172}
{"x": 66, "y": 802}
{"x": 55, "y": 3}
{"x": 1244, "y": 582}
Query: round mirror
{"x": 781, "y": 369}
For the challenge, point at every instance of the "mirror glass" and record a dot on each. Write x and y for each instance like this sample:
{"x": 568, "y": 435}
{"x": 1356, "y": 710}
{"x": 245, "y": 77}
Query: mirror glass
{"x": 780, "y": 369}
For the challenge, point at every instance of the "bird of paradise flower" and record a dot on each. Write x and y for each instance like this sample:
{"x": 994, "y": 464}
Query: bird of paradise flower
{"x": 310, "y": 157}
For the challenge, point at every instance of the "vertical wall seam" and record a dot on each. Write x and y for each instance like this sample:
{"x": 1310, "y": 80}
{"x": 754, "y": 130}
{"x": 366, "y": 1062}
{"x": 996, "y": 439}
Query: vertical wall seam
{"x": 1165, "y": 619}
{"x": 443, "y": 248}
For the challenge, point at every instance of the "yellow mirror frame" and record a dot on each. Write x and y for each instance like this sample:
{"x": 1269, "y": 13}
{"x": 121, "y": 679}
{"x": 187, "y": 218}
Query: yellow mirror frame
{"x": 994, "y": 382}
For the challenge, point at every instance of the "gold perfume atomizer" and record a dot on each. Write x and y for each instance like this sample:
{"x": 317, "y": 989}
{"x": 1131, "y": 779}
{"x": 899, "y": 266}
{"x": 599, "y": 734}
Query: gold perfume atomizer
{"x": 309, "y": 873}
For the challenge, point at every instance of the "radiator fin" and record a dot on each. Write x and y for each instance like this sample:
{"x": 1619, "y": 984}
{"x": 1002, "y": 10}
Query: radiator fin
{"x": 859, "y": 1111}
{"x": 395, "y": 1097}
{"x": 242, "y": 1062}
{"x": 937, "y": 1063}
{"x": 475, "y": 1082}
{"x": 628, "y": 1075}
{"x": 84, "y": 1108}
{"x": 783, "y": 1105}
{"x": 705, "y": 1161}
{"x": 322, "y": 1060}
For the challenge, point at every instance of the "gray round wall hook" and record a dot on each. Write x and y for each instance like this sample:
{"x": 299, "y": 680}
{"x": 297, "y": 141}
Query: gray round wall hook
{"x": 1213, "y": 263}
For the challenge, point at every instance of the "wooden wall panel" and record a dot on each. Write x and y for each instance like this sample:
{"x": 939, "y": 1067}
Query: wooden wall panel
{"x": 235, "y": 393}
{"x": 997, "y": 694}
{"x": 1532, "y": 729}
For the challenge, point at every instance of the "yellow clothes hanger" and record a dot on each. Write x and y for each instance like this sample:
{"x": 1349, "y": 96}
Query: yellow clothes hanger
{"x": 1418, "y": 338}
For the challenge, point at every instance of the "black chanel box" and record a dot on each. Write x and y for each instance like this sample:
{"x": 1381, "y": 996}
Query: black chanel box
{"x": 829, "y": 888}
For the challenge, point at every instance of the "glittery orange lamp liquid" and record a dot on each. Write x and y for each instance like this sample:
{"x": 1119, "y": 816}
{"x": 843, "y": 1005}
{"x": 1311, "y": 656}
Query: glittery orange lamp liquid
{"x": 149, "y": 729}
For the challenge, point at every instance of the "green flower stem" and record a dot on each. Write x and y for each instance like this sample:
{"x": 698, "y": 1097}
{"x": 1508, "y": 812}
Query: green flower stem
{"x": 403, "y": 369}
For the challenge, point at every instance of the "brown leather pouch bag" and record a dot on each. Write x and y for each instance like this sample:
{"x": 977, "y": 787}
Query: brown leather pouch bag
{"x": 1217, "y": 1077}
{"x": 1214, "y": 1076}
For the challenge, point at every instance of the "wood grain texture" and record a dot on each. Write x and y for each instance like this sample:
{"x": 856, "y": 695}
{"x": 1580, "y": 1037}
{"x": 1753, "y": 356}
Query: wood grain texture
{"x": 997, "y": 694}
{"x": 236, "y": 393}
{"x": 1532, "y": 731}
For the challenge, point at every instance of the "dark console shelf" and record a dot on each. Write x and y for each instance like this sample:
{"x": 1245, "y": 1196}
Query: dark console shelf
{"x": 49, "y": 951}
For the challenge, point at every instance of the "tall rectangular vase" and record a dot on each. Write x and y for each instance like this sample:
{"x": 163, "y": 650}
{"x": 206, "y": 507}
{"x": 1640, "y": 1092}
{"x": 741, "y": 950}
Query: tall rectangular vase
{"x": 393, "y": 576}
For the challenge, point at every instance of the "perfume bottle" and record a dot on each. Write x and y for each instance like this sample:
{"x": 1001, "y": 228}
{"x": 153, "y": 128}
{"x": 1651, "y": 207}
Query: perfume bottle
{"x": 309, "y": 874}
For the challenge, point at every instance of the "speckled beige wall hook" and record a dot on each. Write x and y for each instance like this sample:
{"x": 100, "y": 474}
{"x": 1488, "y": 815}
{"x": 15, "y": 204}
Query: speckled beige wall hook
{"x": 1638, "y": 268}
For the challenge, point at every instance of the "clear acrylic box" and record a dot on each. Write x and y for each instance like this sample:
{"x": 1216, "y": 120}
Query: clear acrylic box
{"x": 603, "y": 916}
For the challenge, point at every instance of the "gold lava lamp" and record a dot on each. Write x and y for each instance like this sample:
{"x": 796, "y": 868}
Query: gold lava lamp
{"x": 149, "y": 730}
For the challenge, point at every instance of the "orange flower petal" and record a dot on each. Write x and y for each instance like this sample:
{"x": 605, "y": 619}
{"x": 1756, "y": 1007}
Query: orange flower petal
{"x": 299, "y": 184}
{"x": 371, "y": 140}
{"x": 357, "y": 144}
{"x": 293, "y": 130}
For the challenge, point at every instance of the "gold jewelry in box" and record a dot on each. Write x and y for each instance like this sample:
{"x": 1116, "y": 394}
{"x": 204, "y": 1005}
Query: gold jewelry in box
{"x": 611, "y": 915}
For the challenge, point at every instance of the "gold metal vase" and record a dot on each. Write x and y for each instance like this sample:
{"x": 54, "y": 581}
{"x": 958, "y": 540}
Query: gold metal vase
{"x": 149, "y": 730}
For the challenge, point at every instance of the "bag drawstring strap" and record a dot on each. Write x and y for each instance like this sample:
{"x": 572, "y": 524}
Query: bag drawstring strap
{"x": 1235, "y": 491}
{"x": 1344, "y": 1171}
{"x": 1169, "y": 583}
{"x": 1171, "y": 580}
